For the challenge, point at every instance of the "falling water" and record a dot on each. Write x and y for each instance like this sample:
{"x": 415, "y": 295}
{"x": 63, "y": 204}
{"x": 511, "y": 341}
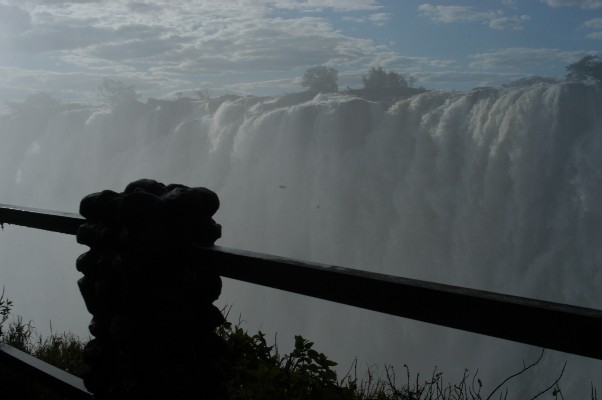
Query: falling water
{"x": 493, "y": 189}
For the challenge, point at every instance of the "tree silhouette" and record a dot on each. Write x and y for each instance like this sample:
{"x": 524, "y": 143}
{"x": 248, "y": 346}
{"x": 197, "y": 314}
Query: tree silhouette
{"x": 113, "y": 92}
{"x": 378, "y": 79}
{"x": 320, "y": 79}
{"x": 588, "y": 69}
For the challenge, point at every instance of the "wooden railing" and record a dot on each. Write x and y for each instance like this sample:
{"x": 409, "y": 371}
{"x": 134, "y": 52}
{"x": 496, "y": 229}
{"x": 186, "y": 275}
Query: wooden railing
{"x": 43, "y": 373}
{"x": 556, "y": 326}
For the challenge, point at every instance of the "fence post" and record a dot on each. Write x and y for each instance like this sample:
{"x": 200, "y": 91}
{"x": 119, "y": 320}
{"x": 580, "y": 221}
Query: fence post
{"x": 151, "y": 300}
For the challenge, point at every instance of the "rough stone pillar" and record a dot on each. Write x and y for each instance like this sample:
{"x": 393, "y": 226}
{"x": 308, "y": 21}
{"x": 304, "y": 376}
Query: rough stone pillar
{"x": 151, "y": 299}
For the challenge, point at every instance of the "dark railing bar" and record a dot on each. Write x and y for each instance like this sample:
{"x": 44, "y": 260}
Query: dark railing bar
{"x": 546, "y": 324}
{"x": 43, "y": 373}
{"x": 551, "y": 325}
{"x": 54, "y": 221}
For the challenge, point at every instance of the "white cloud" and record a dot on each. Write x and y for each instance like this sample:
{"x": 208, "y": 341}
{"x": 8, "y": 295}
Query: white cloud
{"x": 586, "y": 4}
{"x": 353, "y": 19}
{"x": 139, "y": 7}
{"x": 47, "y": 38}
{"x": 519, "y": 58}
{"x": 449, "y": 14}
{"x": 267, "y": 45}
{"x": 452, "y": 14}
{"x": 514, "y": 23}
{"x": 205, "y": 37}
{"x": 174, "y": 44}
{"x": 150, "y": 49}
{"x": 318, "y": 5}
{"x": 380, "y": 18}
{"x": 376, "y": 18}
{"x": 595, "y": 23}
{"x": 595, "y": 35}
{"x": 392, "y": 60}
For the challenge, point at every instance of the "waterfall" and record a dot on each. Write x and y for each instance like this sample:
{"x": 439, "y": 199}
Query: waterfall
{"x": 495, "y": 189}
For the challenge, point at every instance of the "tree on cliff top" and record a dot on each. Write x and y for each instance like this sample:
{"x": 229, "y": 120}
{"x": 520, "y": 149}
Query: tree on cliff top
{"x": 320, "y": 79}
{"x": 378, "y": 79}
{"x": 588, "y": 69}
{"x": 113, "y": 92}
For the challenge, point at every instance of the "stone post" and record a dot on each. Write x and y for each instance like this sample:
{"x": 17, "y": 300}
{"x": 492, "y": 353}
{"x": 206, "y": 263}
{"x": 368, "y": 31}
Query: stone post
{"x": 151, "y": 299}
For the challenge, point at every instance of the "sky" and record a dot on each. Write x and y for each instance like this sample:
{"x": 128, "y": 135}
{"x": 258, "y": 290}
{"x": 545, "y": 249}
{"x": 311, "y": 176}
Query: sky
{"x": 263, "y": 47}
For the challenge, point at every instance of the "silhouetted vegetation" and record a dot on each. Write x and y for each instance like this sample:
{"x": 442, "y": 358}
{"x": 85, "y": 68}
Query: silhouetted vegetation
{"x": 320, "y": 79}
{"x": 377, "y": 79}
{"x": 587, "y": 69}
{"x": 259, "y": 372}
{"x": 64, "y": 351}
{"x": 378, "y": 83}
{"x": 387, "y": 86}
{"x": 113, "y": 92}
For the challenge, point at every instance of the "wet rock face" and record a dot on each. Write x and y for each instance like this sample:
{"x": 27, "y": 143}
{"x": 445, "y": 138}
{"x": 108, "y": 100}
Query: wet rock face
{"x": 150, "y": 296}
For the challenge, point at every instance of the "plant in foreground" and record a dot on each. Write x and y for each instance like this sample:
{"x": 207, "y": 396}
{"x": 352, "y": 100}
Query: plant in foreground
{"x": 259, "y": 372}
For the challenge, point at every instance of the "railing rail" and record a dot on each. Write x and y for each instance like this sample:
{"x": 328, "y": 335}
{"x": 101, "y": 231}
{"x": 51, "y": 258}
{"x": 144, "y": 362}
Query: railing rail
{"x": 555, "y": 326}
{"x": 545, "y": 324}
{"x": 54, "y": 221}
{"x": 48, "y": 375}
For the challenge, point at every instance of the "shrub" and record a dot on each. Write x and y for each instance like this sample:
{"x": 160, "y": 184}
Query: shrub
{"x": 259, "y": 372}
{"x": 587, "y": 69}
{"x": 320, "y": 79}
{"x": 378, "y": 79}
